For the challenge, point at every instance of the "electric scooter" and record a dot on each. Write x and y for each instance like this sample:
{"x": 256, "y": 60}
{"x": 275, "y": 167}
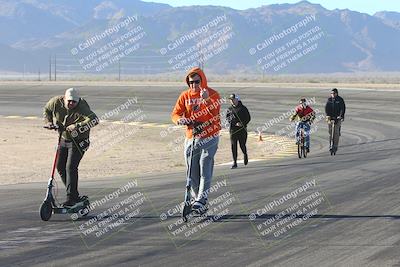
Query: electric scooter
{"x": 49, "y": 205}
{"x": 187, "y": 206}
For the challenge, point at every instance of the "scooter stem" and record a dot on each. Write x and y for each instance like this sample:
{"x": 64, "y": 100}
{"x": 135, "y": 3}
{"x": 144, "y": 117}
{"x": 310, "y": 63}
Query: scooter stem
{"x": 56, "y": 156}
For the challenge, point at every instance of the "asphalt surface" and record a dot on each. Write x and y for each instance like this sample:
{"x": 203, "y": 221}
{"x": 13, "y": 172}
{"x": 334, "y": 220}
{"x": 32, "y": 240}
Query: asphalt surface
{"x": 338, "y": 210}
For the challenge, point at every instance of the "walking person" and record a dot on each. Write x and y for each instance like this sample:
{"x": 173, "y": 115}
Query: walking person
{"x": 198, "y": 107}
{"x": 238, "y": 117}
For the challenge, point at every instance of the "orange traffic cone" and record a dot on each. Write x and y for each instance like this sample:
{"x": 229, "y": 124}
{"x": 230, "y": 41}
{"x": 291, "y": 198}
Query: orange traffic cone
{"x": 260, "y": 139}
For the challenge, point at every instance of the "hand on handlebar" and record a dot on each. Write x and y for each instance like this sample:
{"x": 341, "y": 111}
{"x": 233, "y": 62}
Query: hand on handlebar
{"x": 328, "y": 118}
{"x": 71, "y": 127}
{"x": 184, "y": 121}
{"x": 50, "y": 126}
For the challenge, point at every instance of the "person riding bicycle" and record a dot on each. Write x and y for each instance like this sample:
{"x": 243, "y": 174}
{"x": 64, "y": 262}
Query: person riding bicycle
{"x": 335, "y": 110}
{"x": 74, "y": 119}
{"x": 306, "y": 115}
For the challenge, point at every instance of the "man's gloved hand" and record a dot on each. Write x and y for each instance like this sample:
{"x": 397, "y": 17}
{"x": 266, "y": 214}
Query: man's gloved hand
{"x": 71, "y": 128}
{"x": 328, "y": 118}
{"x": 184, "y": 121}
{"x": 291, "y": 118}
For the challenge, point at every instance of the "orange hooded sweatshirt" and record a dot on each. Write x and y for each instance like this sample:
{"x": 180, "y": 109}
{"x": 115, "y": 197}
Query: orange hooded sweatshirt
{"x": 190, "y": 105}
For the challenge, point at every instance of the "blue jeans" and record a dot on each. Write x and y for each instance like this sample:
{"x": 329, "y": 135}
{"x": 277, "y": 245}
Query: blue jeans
{"x": 202, "y": 165}
{"x": 306, "y": 128}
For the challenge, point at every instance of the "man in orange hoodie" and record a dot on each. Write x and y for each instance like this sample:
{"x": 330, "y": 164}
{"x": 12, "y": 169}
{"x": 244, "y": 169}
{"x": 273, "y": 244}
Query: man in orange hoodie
{"x": 199, "y": 104}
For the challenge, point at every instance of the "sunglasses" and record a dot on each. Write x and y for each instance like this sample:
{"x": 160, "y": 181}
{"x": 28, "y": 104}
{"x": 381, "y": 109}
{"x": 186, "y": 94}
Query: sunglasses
{"x": 195, "y": 82}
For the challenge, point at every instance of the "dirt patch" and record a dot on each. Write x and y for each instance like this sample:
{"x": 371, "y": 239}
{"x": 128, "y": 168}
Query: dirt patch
{"x": 27, "y": 150}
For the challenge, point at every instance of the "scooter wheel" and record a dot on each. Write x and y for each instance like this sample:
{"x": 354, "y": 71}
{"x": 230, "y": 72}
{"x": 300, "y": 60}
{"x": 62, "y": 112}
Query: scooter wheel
{"x": 187, "y": 209}
{"x": 46, "y": 210}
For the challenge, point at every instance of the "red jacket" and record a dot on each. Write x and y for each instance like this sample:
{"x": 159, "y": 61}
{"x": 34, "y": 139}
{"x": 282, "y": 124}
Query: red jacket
{"x": 304, "y": 114}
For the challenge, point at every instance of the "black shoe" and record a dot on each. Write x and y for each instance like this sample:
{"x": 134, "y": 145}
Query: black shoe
{"x": 82, "y": 198}
{"x": 234, "y": 166}
{"x": 69, "y": 203}
{"x": 308, "y": 150}
{"x": 199, "y": 207}
{"x": 73, "y": 201}
{"x": 246, "y": 159}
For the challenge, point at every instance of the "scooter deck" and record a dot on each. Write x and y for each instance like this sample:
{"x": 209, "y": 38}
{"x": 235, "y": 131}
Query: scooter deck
{"x": 193, "y": 213}
{"x": 77, "y": 207}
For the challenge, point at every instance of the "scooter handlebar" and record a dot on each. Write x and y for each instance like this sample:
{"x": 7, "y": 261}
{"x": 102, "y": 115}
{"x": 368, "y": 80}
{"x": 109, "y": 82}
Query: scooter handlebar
{"x": 51, "y": 127}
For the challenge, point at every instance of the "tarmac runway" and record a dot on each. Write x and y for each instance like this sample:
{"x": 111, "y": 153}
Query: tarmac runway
{"x": 320, "y": 211}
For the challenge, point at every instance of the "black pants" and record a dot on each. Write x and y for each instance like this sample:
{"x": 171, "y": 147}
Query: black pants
{"x": 240, "y": 136}
{"x": 68, "y": 161}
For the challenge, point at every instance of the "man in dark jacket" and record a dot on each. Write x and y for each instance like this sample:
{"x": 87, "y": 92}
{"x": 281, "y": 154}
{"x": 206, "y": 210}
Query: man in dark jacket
{"x": 74, "y": 119}
{"x": 335, "y": 110}
{"x": 238, "y": 117}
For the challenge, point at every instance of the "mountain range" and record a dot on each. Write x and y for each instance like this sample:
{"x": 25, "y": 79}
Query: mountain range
{"x": 349, "y": 41}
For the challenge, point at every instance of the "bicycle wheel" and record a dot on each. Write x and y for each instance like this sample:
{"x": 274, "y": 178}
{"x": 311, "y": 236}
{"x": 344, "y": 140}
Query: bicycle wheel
{"x": 300, "y": 146}
{"x": 299, "y": 150}
{"x": 304, "y": 148}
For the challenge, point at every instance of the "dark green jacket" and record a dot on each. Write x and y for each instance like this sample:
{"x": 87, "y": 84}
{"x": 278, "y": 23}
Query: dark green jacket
{"x": 81, "y": 116}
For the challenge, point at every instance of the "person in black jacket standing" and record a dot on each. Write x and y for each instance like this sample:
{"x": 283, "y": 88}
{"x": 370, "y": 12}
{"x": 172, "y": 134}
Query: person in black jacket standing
{"x": 335, "y": 110}
{"x": 238, "y": 117}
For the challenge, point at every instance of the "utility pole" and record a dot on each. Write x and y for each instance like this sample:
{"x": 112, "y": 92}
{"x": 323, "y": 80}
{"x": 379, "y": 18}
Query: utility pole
{"x": 55, "y": 67}
{"x": 50, "y": 68}
{"x": 39, "y": 75}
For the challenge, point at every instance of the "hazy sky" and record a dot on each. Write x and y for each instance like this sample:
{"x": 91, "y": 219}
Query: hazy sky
{"x": 365, "y": 6}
